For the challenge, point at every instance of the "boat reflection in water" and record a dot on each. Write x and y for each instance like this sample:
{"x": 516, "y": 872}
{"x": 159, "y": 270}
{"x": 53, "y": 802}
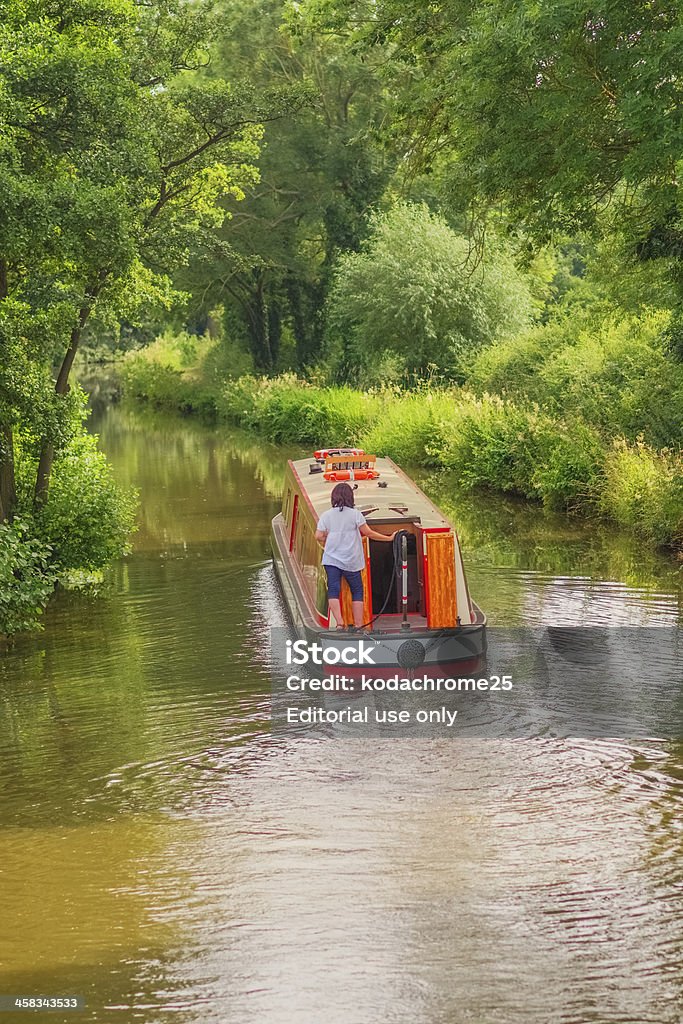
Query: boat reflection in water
{"x": 418, "y": 612}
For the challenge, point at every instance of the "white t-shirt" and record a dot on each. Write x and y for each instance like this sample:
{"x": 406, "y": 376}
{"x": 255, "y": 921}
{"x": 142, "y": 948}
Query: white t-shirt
{"x": 343, "y": 547}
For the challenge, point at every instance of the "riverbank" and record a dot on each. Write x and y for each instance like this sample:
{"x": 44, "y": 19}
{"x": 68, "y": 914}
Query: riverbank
{"x": 68, "y": 539}
{"x": 485, "y": 440}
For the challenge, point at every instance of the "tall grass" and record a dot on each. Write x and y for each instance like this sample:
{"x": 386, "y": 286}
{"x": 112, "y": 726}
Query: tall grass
{"x": 287, "y": 410}
{"x": 412, "y": 427}
{"x": 643, "y": 489}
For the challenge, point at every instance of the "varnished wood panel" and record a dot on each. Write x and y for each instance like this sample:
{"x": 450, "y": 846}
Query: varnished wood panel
{"x": 442, "y": 609}
{"x": 345, "y": 595}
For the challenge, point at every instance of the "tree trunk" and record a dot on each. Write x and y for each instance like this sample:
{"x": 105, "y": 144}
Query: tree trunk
{"x": 274, "y": 332}
{"x": 8, "y": 490}
{"x": 305, "y": 303}
{"x": 258, "y": 325}
{"x": 300, "y": 325}
{"x": 47, "y": 449}
{"x": 262, "y": 326}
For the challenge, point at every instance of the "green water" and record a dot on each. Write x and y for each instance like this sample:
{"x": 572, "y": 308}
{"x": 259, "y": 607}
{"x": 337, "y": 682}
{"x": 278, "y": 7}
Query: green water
{"x": 164, "y": 856}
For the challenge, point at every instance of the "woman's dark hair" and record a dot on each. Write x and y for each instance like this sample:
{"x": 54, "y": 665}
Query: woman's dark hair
{"x": 342, "y": 496}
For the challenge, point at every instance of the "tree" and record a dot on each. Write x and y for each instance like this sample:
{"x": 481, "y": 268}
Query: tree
{"x": 560, "y": 109}
{"x": 115, "y": 161}
{"x": 416, "y": 289}
{"x": 321, "y": 172}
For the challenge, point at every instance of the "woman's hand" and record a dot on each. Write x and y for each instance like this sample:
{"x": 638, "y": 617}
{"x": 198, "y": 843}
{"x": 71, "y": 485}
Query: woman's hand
{"x": 366, "y": 531}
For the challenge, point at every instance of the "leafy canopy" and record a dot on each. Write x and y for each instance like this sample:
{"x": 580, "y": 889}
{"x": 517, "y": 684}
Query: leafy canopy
{"x": 556, "y": 107}
{"x": 417, "y": 290}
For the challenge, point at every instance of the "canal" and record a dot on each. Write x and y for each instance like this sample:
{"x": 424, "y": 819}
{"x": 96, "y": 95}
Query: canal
{"x": 165, "y": 856}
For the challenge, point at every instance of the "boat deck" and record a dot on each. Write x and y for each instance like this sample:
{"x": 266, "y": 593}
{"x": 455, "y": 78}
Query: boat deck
{"x": 392, "y": 623}
{"x": 394, "y": 498}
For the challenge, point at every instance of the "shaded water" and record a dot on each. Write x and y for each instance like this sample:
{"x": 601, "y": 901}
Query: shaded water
{"x": 164, "y": 856}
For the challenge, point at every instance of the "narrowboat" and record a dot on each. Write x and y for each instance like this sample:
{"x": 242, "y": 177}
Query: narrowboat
{"x": 418, "y": 612}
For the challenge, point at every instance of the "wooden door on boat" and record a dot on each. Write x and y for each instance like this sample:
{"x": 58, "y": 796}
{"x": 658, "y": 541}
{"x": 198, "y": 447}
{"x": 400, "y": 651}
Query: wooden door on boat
{"x": 439, "y": 579}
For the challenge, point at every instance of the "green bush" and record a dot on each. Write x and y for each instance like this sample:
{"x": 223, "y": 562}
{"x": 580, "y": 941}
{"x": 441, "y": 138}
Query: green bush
{"x": 569, "y": 461}
{"x": 239, "y": 401}
{"x": 612, "y": 372}
{"x": 166, "y": 387}
{"x": 182, "y": 372}
{"x": 288, "y": 410}
{"x": 491, "y": 442}
{"x": 510, "y": 366}
{"x": 87, "y": 518}
{"x": 408, "y": 427}
{"x": 415, "y": 289}
{"x": 643, "y": 490}
{"x": 27, "y": 578}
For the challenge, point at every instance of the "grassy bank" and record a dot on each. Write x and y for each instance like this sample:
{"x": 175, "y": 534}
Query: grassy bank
{"x": 508, "y": 444}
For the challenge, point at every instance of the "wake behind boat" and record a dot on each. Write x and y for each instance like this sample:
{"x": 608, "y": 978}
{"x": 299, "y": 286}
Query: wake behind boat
{"x": 417, "y": 608}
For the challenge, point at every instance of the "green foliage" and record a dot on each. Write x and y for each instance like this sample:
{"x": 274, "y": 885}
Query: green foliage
{"x": 567, "y": 472}
{"x": 27, "y": 578}
{"x": 118, "y": 164}
{"x": 417, "y": 290}
{"x": 88, "y": 517}
{"x": 490, "y": 442}
{"x": 286, "y": 410}
{"x": 183, "y": 372}
{"x": 412, "y": 427}
{"x": 165, "y": 387}
{"x": 83, "y": 526}
{"x": 320, "y": 170}
{"x": 612, "y": 371}
{"x": 643, "y": 490}
{"x": 555, "y": 108}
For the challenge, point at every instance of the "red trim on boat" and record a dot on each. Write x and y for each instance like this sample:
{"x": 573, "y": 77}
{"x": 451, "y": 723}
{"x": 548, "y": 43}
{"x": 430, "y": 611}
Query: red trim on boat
{"x": 425, "y": 583}
{"x": 295, "y": 516}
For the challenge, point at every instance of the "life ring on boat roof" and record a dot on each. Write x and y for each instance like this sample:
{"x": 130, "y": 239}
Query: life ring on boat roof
{"x": 337, "y": 475}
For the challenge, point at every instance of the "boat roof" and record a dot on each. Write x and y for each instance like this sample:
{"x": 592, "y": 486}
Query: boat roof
{"x": 401, "y": 500}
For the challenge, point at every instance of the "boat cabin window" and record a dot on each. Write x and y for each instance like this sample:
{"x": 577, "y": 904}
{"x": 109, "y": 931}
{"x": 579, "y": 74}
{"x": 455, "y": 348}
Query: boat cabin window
{"x": 386, "y": 578}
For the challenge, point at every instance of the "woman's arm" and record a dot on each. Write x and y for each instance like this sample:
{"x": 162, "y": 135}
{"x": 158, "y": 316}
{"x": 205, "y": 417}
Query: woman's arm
{"x": 366, "y": 531}
{"x": 321, "y": 537}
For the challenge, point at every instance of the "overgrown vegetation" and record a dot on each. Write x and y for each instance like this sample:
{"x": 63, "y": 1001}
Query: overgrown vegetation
{"x": 485, "y": 440}
{"x": 450, "y": 232}
{"x": 417, "y": 293}
{"x": 26, "y": 578}
{"x": 70, "y": 538}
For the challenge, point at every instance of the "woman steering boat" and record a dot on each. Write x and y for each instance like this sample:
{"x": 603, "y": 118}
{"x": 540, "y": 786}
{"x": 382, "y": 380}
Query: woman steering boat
{"x": 339, "y": 532}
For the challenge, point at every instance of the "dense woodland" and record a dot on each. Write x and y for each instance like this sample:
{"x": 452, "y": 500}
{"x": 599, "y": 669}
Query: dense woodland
{"x": 451, "y": 231}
